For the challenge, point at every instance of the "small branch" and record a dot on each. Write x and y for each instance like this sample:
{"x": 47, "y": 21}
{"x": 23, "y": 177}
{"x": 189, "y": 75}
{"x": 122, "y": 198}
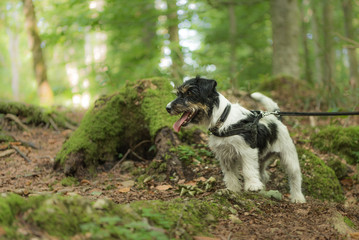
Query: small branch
{"x": 53, "y": 124}
{"x": 20, "y": 153}
{"x": 129, "y": 151}
{"x": 18, "y": 121}
{"x": 355, "y": 44}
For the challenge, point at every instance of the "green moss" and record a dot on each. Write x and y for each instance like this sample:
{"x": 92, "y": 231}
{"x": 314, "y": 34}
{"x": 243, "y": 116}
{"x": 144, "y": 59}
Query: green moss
{"x": 319, "y": 180}
{"x": 35, "y": 115}
{"x": 349, "y": 222}
{"x": 339, "y": 140}
{"x": 69, "y": 181}
{"x": 65, "y": 217}
{"x": 10, "y": 205}
{"x": 134, "y": 114}
{"x": 5, "y": 138}
{"x": 340, "y": 169}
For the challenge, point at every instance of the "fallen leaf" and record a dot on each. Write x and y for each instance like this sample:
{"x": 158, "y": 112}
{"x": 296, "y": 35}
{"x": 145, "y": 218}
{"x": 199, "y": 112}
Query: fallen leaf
{"x": 200, "y": 179}
{"x": 182, "y": 181}
{"x": 190, "y": 183}
{"x": 96, "y": 193}
{"x": 2, "y": 232}
{"x": 163, "y": 187}
{"x": 205, "y": 238}
{"x": 85, "y": 181}
{"x": 124, "y": 190}
{"x": 4, "y": 146}
{"x": 129, "y": 183}
{"x": 354, "y": 235}
{"x": 7, "y": 152}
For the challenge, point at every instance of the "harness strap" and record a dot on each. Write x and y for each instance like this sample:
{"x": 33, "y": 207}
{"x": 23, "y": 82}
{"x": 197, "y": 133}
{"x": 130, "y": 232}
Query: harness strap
{"x": 221, "y": 120}
{"x": 248, "y": 128}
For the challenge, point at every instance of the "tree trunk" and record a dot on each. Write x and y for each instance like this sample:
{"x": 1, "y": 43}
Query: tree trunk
{"x": 318, "y": 73}
{"x": 305, "y": 23}
{"x": 176, "y": 52}
{"x": 329, "y": 57}
{"x": 44, "y": 91}
{"x": 14, "y": 58}
{"x": 349, "y": 31}
{"x": 233, "y": 44}
{"x": 285, "y": 34}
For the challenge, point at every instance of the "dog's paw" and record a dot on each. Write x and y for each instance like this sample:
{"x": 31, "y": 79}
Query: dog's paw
{"x": 299, "y": 198}
{"x": 253, "y": 186}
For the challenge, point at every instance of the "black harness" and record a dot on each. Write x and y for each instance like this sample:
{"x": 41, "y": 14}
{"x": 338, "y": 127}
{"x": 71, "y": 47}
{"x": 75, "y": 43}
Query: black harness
{"x": 245, "y": 127}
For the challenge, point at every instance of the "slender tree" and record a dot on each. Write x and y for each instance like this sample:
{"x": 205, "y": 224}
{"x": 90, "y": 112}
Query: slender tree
{"x": 304, "y": 31}
{"x": 44, "y": 90}
{"x": 176, "y": 52}
{"x": 318, "y": 63}
{"x": 286, "y": 35}
{"x": 232, "y": 43}
{"x": 349, "y": 31}
{"x": 329, "y": 57}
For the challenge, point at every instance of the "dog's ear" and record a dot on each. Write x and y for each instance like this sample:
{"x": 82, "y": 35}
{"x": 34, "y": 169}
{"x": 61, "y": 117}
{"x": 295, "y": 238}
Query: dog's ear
{"x": 209, "y": 85}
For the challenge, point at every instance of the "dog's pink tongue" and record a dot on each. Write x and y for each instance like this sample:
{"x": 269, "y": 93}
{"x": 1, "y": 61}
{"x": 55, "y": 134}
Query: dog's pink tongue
{"x": 177, "y": 125}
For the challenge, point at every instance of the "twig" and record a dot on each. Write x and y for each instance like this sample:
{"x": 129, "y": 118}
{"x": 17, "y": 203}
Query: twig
{"x": 122, "y": 159}
{"x": 20, "y": 153}
{"x": 18, "y": 121}
{"x": 129, "y": 151}
{"x": 355, "y": 43}
{"x": 53, "y": 124}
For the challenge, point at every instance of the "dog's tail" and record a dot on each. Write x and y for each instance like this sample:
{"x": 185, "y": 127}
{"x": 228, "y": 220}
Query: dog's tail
{"x": 268, "y": 103}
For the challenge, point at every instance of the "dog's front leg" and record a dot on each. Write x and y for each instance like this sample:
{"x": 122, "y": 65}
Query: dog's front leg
{"x": 230, "y": 169}
{"x": 250, "y": 168}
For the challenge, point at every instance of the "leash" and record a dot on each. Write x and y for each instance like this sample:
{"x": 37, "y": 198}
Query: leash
{"x": 252, "y": 125}
{"x": 304, "y": 114}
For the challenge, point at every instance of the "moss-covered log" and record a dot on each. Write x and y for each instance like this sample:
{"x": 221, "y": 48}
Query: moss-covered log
{"x": 116, "y": 124}
{"x": 31, "y": 114}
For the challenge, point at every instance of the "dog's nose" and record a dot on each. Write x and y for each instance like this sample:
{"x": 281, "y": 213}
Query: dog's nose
{"x": 168, "y": 108}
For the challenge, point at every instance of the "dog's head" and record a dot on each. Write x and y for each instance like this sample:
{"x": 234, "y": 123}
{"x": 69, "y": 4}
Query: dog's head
{"x": 195, "y": 101}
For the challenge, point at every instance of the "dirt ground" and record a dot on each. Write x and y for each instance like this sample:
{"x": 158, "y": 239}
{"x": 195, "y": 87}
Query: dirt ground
{"x": 282, "y": 220}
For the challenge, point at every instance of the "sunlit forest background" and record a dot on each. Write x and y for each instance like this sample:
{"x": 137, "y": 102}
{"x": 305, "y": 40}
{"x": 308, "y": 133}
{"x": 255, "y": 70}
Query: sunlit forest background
{"x": 69, "y": 52}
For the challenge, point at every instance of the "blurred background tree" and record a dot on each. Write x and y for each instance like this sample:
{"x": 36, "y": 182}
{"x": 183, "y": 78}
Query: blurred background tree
{"x": 92, "y": 47}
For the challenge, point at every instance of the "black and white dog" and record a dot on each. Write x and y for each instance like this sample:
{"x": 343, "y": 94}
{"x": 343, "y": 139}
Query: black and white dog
{"x": 240, "y": 139}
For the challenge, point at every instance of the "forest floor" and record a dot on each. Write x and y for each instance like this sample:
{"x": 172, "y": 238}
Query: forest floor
{"x": 281, "y": 220}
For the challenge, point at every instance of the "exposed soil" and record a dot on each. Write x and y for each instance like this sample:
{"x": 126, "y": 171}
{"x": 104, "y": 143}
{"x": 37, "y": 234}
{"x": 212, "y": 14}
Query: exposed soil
{"x": 281, "y": 220}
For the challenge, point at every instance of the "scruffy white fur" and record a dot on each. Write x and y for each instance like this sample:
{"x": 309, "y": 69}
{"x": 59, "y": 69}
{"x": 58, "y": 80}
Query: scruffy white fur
{"x": 234, "y": 153}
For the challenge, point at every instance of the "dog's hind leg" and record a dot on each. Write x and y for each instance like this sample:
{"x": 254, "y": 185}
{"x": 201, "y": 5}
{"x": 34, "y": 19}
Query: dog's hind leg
{"x": 289, "y": 158}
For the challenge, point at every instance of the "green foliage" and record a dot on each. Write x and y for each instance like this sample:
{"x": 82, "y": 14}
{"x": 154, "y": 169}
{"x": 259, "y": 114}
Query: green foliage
{"x": 65, "y": 217}
{"x": 339, "y": 140}
{"x": 69, "y": 181}
{"x": 196, "y": 153}
{"x": 319, "y": 180}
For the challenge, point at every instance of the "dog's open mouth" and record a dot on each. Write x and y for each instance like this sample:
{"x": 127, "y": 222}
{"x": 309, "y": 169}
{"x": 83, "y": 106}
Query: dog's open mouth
{"x": 184, "y": 120}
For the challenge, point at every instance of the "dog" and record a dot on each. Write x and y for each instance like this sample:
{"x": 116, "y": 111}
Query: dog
{"x": 240, "y": 139}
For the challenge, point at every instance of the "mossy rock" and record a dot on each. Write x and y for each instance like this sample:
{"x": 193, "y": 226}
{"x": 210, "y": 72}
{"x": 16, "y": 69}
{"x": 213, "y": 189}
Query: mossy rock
{"x": 31, "y": 114}
{"x": 339, "y": 140}
{"x": 115, "y": 123}
{"x": 319, "y": 180}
